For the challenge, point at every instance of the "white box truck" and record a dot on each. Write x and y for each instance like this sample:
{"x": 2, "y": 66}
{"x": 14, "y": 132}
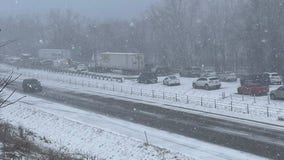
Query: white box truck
{"x": 127, "y": 62}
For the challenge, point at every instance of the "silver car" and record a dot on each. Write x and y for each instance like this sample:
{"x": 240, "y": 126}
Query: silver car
{"x": 207, "y": 83}
{"x": 171, "y": 80}
{"x": 278, "y": 93}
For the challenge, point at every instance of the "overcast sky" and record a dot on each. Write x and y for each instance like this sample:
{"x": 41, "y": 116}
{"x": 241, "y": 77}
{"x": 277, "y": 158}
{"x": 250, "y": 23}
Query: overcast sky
{"x": 102, "y": 9}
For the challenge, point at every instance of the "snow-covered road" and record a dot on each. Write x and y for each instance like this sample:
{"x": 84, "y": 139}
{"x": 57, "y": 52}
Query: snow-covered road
{"x": 247, "y": 107}
{"x": 106, "y": 137}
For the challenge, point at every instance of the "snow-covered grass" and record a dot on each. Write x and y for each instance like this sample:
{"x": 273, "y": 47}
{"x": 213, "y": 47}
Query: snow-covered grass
{"x": 223, "y": 101}
{"x": 80, "y": 138}
{"x": 108, "y": 138}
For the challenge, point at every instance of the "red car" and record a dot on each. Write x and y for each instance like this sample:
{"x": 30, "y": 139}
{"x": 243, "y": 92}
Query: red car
{"x": 253, "y": 88}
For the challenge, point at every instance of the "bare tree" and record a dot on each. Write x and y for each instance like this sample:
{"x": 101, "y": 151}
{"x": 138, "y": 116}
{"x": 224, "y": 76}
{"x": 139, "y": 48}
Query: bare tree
{"x": 5, "y": 99}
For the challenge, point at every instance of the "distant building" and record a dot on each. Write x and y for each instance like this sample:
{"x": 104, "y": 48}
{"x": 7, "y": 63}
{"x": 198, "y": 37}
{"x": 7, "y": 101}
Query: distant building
{"x": 54, "y": 54}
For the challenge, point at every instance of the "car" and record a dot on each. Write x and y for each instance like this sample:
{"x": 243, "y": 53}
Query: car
{"x": 193, "y": 71}
{"x": 81, "y": 67}
{"x": 228, "y": 76}
{"x": 256, "y": 78}
{"x": 274, "y": 77}
{"x": 171, "y": 80}
{"x": 207, "y": 83}
{"x": 278, "y": 93}
{"x": 147, "y": 78}
{"x": 208, "y": 73}
{"x": 47, "y": 64}
{"x": 31, "y": 85}
{"x": 252, "y": 87}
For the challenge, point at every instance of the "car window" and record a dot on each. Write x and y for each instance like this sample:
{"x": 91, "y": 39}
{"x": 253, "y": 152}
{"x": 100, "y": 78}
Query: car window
{"x": 274, "y": 74}
{"x": 172, "y": 77}
{"x": 213, "y": 79}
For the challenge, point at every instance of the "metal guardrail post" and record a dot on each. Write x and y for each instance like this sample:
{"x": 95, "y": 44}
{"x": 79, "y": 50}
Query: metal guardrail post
{"x": 146, "y": 137}
{"x": 187, "y": 99}
{"x": 267, "y": 111}
{"x": 176, "y": 97}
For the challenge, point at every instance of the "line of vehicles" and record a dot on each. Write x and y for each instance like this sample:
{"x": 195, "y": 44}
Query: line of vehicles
{"x": 251, "y": 84}
{"x": 129, "y": 63}
{"x": 256, "y": 85}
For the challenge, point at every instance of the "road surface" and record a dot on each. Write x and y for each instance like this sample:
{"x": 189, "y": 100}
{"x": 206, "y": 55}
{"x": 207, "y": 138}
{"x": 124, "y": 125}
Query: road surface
{"x": 253, "y": 139}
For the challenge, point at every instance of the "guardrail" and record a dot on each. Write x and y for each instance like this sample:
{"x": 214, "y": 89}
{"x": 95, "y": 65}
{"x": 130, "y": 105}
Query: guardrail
{"x": 224, "y": 103}
{"x": 85, "y": 74}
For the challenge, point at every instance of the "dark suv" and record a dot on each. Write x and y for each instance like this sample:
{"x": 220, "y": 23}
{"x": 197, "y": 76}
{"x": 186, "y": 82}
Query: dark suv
{"x": 190, "y": 72}
{"x": 147, "y": 78}
{"x": 31, "y": 85}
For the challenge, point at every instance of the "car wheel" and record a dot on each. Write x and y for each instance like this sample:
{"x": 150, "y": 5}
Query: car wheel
{"x": 272, "y": 96}
{"x": 194, "y": 86}
{"x": 207, "y": 87}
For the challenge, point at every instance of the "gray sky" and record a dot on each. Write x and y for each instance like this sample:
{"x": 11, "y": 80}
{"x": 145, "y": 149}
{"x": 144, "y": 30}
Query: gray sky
{"x": 102, "y": 9}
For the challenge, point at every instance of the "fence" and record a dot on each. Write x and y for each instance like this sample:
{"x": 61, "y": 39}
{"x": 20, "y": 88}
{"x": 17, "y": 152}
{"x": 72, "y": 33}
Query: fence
{"x": 87, "y": 75}
{"x": 224, "y": 103}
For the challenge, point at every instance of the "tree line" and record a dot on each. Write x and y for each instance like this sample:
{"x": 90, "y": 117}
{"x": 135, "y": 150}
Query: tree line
{"x": 225, "y": 34}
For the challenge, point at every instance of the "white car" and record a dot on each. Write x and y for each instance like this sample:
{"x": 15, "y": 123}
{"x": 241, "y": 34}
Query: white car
{"x": 208, "y": 73}
{"x": 274, "y": 77}
{"x": 228, "y": 76}
{"x": 81, "y": 67}
{"x": 207, "y": 83}
{"x": 171, "y": 80}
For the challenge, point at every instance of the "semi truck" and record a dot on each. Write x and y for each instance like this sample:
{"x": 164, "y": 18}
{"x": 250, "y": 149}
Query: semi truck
{"x": 128, "y": 63}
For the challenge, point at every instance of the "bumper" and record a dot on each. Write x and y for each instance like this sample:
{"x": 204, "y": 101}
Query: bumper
{"x": 275, "y": 81}
{"x": 215, "y": 86}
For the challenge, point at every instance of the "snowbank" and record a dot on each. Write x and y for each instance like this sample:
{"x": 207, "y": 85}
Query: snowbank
{"x": 80, "y": 138}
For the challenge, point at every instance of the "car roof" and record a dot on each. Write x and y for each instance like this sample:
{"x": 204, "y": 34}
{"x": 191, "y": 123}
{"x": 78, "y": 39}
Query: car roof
{"x": 30, "y": 79}
{"x": 270, "y": 73}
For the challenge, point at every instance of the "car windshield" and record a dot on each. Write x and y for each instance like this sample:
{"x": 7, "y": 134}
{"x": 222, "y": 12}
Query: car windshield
{"x": 172, "y": 77}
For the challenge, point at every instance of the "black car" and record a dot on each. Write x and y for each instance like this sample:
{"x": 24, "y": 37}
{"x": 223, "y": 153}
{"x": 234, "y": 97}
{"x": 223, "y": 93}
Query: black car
{"x": 191, "y": 72}
{"x": 147, "y": 78}
{"x": 31, "y": 85}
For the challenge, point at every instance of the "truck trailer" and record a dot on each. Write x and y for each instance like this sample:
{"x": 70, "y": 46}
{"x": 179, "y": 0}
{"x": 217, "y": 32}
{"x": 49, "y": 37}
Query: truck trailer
{"x": 126, "y": 62}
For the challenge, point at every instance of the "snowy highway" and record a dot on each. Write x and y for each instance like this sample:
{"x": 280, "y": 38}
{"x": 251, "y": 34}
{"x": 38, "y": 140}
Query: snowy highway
{"x": 258, "y": 140}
